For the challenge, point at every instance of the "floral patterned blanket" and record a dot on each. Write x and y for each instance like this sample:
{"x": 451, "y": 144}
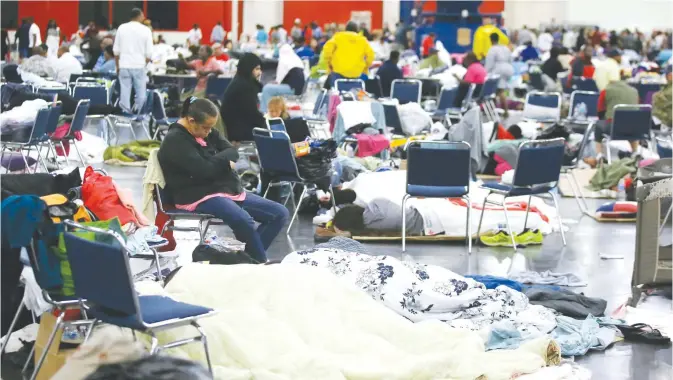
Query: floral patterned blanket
{"x": 423, "y": 292}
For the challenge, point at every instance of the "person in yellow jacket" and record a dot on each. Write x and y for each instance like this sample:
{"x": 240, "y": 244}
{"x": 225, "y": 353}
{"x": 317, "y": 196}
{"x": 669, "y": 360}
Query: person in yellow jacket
{"x": 482, "y": 38}
{"x": 348, "y": 55}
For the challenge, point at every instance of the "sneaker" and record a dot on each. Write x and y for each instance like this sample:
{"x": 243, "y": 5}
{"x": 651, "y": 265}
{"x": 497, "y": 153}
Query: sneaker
{"x": 529, "y": 237}
{"x": 500, "y": 239}
{"x": 323, "y": 218}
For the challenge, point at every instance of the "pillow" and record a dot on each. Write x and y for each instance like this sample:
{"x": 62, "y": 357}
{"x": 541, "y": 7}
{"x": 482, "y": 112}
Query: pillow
{"x": 618, "y": 209}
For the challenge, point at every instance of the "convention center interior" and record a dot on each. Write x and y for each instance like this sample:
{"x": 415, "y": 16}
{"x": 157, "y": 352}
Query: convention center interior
{"x": 332, "y": 190}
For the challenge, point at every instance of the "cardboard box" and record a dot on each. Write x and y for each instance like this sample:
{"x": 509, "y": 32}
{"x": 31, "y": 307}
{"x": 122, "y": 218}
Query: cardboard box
{"x": 55, "y": 356}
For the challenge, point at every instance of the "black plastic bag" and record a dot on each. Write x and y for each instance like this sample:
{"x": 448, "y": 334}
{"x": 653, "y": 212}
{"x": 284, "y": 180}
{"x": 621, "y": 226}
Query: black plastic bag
{"x": 215, "y": 254}
{"x": 318, "y": 163}
{"x": 555, "y": 131}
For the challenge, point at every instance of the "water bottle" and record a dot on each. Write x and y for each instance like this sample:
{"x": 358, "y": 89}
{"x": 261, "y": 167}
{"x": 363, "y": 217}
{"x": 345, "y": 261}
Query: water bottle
{"x": 581, "y": 111}
{"x": 621, "y": 190}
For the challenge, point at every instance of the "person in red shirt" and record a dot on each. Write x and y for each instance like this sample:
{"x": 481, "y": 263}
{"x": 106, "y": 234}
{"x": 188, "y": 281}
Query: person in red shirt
{"x": 582, "y": 66}
{"x": 219, "y": 54}
{"x": 428, "y": 43}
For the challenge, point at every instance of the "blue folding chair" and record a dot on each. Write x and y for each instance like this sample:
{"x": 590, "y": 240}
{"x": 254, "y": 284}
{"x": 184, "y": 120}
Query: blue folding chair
{"x": 216, "y": 86}
{"x": 96, "y": 94}
{"x": 52, "y": 90}
{"x": 144, "y": 114}
{"x": 537, "y": 172}
{"x": 486, "y": 97}
{"x": 630, "y": 122}
{"x": 447, "y": 98}
{"x": 37, "y": 136}
{"x": 276, "y": 124}
{"x": 102, "y": 277}
{"x": 276, "y": 159}
{"x": 76, "y": 125}
{"x": 347, "y": 85}
{"x": 407, "y": 90}
{"x": 644, "y": 91}
{"x": 581, "y": 84}
{"x": 451, "y": 182}
{"x": 159, "y": 120}
{"x": 547, "y": 102}
{"x": 373, "y": 86}
{"x": 590, "y": 100}
{"x": 393, "y": 118}
{"x": 317, "y": 120}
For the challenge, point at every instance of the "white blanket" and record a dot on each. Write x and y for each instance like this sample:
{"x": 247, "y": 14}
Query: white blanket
{"x": 282, "y": 322}
{"x": 23, "y": 114}
{"x": 443, "y": 216}
{"x": 354, "y": 113}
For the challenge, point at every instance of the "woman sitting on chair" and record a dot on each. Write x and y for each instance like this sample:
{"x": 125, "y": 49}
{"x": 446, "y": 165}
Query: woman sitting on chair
{"x": 198, "y": 165}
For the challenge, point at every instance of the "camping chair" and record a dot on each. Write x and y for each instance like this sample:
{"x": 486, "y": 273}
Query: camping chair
{"x": 590, "y": 100}
{"x": 103, "y": 282}
{"x": 537, "y": 172}
{"x": 347, "y": 85}
{"x": 548, "y": 103}
{"x": 76, "y": 125}
{"x": 162, "y": 198}
{"x": 630, "y": 122}
{"x": 276, "y": 158}
{"x": 216, "y": 86}
{"x": 486, "y": 97}
{"x": 406, "y": 90}
{"x": 159, "y": 120}
{"x": 452, "y": 182}
{"x": 37, "y": 136}
{"x": 276, "y": 124}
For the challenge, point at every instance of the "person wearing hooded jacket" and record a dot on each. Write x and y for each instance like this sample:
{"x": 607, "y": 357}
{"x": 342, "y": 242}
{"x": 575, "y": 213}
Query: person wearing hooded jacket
{"x": 240, "y": 112}
{"x": 348, "y": 55}
{"x": 290, "y": 78}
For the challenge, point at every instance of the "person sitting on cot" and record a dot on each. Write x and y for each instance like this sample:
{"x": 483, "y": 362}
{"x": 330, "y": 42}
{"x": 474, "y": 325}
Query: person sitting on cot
{"x": 198, "y": 165}
{"x": 380, "y": 214}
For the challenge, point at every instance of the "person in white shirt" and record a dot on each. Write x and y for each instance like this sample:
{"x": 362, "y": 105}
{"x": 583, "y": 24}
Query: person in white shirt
{"x": 545, "y": 41}
{"x": 133, "y": 49}
{"x": 194, "y": 36}
{"x": 218, "y": 34}
{"x": 35, "y": 38}
{"x": 569, "y": 39}
{"x": 66, "y": 65}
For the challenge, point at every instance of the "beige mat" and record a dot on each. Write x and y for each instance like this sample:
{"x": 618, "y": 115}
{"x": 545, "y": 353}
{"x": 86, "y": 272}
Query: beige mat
{"x": 322, "y": 233}
{"x": 612, "y": 220}
{"x": 583, "y": 177}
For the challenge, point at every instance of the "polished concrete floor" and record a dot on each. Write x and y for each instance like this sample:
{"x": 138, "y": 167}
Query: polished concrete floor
{"x": 587, "y": 239}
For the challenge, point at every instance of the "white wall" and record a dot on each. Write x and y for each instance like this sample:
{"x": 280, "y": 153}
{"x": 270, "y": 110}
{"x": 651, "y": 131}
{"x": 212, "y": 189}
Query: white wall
{"x": 391, "y": 12}
{"x": 532, "y": 13}
{"x": 264, "y": 12}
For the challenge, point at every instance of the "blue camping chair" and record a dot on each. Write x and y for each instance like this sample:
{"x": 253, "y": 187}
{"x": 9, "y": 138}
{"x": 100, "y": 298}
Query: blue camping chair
{"x": 103, "y": 281}
{"x": 406, "y": 90}
{"x": 347, "y": 85}
{"x": 276, "y": 159}
{"x": 630, "y": 122}
{"x": 216, "y": 86}
{"x": 38, "y": 135}
{"x": 537, "y": 102}
{"x": 486, "y": 97}
{"x": 537, "y": 172}
{"x": 451, "y": 182}
{"x": 76, "y": 125}
{"x": 96, "y": 94}
{"x": 159, "y": 120}
{"x": 590, "y": 100}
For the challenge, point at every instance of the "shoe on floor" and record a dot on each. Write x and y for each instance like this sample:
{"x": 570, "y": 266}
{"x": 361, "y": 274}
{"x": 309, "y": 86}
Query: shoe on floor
{"x": 499, "y": 239}
{"x": 323, "y": 218}
{"x": 529, "y": 237}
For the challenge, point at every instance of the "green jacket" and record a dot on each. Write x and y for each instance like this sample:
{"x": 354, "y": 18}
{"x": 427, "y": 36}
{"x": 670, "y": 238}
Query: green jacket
{"x": 431, "y": 62}
{"x": 608, "y": 176}
{"x": 662, "y": 105}
{"x": 619, "y": 92}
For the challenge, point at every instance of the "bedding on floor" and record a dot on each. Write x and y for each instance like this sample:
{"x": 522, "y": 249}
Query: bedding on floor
{"x": 282, "y": 322}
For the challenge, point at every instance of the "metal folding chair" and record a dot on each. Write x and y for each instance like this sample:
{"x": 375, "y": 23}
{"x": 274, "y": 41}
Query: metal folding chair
{"x": 373, "y": 86}
{"x": 538, "y": 100}
{"x": 406, "y": 90}
{"x": 393, "y": 118}
{"x": 317, "y": 120}
{"x": 581, "y": 84}
{"x": 486, "y": 97}
{"x": 95, "y": 93}
{"x": 103, "y": 282}
{"x": 569, "y": 171}
{"x": 630, "y": 122}
{"x": 276, "y": 158}
{"x": 346, "y": 85}
{"x": 216, "y": 86}
{"x": 537, "y": 172}
{"x": 451, "y": 182}
{"x": 276, "y": 124}
{"x": 447, "y": 98}
{"x": 144, "y": 114}
{"x": 159, "y": 120}
{"x": 51, "y": 90}
{"x": 38, "y": 135}
{"x": 76, "y": 125}
{"x": 590, "y": 100}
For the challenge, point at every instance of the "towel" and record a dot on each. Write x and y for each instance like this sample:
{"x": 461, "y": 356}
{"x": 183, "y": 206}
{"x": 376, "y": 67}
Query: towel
{"x": 369, "y": 145}
{"x": 153, "y": 176}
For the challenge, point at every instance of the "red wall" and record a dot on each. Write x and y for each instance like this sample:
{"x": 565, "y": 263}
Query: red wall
{"x": 492, "y": 6}
{"x": 66, "y": 14}
{"x": 204, "y": 13}
{"x": 330, "y": 11}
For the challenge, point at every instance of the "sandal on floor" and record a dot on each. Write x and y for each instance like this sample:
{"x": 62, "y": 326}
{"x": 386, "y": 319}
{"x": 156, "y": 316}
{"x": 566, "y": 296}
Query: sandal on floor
{"x": 641, "y": 332}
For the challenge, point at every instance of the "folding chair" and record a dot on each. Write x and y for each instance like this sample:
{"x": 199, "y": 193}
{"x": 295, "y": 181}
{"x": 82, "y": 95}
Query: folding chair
{"x": 346, "y": 85}
{"x": 393, "y": 118}
{"x": 537, "y": 172}
{"x": 52, "y": 125}
{"x": 37, "y": 136}
{"x": 144, "y": 114}
{"x": 486, "y": 97}
{"x": 162, "y": 198}
{"x": 276, "y": 158}
{"x": 583, "y": 84}
{"x": 569, "y": 171}
{"x": 546, "y": 102}
{"x": 159, "y": 119}
{"x": 317, "y": 120}
{"x": 276, "y": 124}
{"x": 630, "y": 122}
{"x": 216, "y": 86}
{"x": 452, "y": 182}
{"x": 373, "y": 86}
{"x": 97, "y": 94}
{"x": 447, "y": 98}
{"x": 536, "y": 82}
{"x": 51, "y": 90}
{"x": 590, "y": 100}
{"x": 102, "y": 276}
{"x": 407, "y": 90}
{"x": 76, "y": 125}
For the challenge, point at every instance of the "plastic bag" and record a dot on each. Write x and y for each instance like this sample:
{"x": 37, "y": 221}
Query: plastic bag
{"x": 101, "y": 198}
{"x": 318, "y": 163}
{"x": 414, "y": 119}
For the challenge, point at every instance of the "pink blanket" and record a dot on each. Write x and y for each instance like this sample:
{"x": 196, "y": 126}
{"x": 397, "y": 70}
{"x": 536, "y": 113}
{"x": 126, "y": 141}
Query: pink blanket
{"x": 369, "y": 145}
{"x": 502, "y": 165}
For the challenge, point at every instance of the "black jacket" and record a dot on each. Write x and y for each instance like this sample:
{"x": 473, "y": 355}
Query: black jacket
{"x": 388, "y": 72}
{"x": 193, "y": 171}
{"x": 295, "y": 79}
{"x": 240, "y": 113}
